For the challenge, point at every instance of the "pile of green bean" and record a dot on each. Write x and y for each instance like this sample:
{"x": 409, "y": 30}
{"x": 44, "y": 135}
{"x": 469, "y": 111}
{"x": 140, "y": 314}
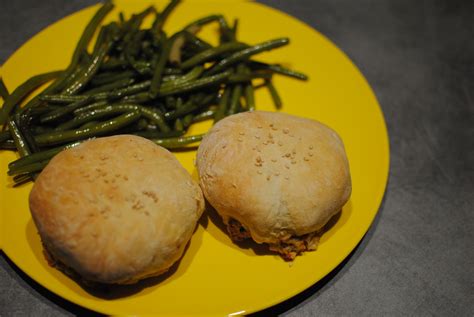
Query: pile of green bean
{"x": 137, "y": 81}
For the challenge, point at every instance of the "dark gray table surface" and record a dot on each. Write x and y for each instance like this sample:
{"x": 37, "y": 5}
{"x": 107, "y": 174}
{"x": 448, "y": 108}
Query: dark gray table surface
{"x": 418, "y": 257}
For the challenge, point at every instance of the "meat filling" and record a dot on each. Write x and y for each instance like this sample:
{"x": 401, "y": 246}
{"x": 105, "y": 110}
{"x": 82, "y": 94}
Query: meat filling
{"x": 288, "y": 249}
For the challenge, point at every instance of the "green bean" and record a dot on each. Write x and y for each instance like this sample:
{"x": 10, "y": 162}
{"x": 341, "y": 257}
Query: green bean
{"x": 190, "y": 106}
{"x": 234, "y": 100}
{"x": 24, "y": 122}
{"x": 196, "y": 43}
{"x": 97, "y": 113}
{"x": 172, "y": 71}
{"x": 158, "y": 134}
{"x": 100, "y": 129}
{"x": 110, "y": 77}
{"x": 39, "y": 156}
{"x": 206, "y": 115}
{"x": 274, "y": 94}
{"x": 152, "y": 114}
{"x": 8, "y": 145}
{"x": 178, "y": 125}
{"x": 22, "y": 91}
{"x": 61, "y": 99}
{"x": 81, "y": 46}
{"x": 20, "y": 143}
{"x": 223, "y": 105}
{"x": 249, "y": 97}
{"x": 203, "y": 21}
{"x": 279, "y": 69}
{"x": 112, "y": 64}
{"x": 111, "y": 86}
{"x": 61, "y": 112}
{"x": 86, "y": 75}
{"x": 235, "y": 27}
{"x": 30, "y": 168}
{"x": 212, "y": 53}
{"x": 90, "y": 30}
{"x": 191, "y": 75}
{"x": 160, "y": 66}
{"x": 92, "y": 106}
{"x": 246, "y": 53}
{"x": 119, "y": 93}
{"x": 3, "y": 90}
{"x": 89, "y": 124}
{"x": 226, "y": 34}
{"x": 155, "y": 116}
{"x": 21, "y": 179}
{"x": 187, "y": 120}
{"x": 175, "y": 143}
{"x": 138, "y": 98}
{"x": 196, "y": 84}
{"x": 240, "y": 78}
{"x": 4, "y": 135}
{"x": 161, "y": 18}
{"x": 98, "y": 42}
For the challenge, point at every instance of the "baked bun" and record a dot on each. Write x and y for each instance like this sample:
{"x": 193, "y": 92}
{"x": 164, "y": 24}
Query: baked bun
{"x": 115, "y": 209}
{"x": 274, "y": 177}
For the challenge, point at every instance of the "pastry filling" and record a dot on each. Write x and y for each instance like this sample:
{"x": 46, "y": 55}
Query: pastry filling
{"x": 288, "y": 249}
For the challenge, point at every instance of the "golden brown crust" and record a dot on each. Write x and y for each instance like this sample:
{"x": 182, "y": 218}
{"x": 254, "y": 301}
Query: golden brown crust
{"x": 116, "y": 209}
{"x": 279, "y": 175}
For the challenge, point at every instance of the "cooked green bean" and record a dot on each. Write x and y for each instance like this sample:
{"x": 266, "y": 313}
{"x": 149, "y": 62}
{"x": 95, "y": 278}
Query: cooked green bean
{"x": 196, "y": 84}
{"x": 97, "y": 130}
{"x": 61, "y": 112}
{"x": 86, "y": 75}
{"x": 61, "y": 99}
{"x": 205, "y": 115}
{"x": 274, "y": 94}
{"x": 92, "y": 106}
{"x": 110, "y": 77}
{"x": 39, "y": 156}
{"x": 81, "y": 46}
{"x": 246, "y": 53}
{"x": 195, "y": 42}
{"x": 97, "y": 113}
{"x": 111, "y": 86}
{"x": 153, "y": 115}
{"x": 241, "y": 78}
{"x": 160, "y": 66}
{"x": 249, "y": 97}
{"x": 20, "y": 142}
{"x": 4, "y": 135}
{"x": 179, "y": 142}
{"x": 212, "y": 53}
{"x": 178, "y": 125}
{"x": 279, "y": 70}
{"x": 136, "y": 80}
{"x": 161, "y": 17}
{"x": 187, "y": 120}
{"x": 3, "y": 90}
{"x": 21, "y": 179}
{"x": 154, "y": 134}
{"x": 22, "y": 91}
{"x": 223, "y": 105}
{"x": 234, "y": 99}
{"x": 192, "y": 105}
{"x": 8, "y": 145}
{"x": 30, "y": 168}
{"x": 203, "y": 21}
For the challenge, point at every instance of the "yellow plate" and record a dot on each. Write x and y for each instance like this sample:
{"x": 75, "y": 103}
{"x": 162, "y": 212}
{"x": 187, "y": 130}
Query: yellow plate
{"x": 216, "y": 277}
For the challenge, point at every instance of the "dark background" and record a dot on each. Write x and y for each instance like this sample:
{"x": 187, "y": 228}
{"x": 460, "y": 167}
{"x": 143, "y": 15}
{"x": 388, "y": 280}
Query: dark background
{"x": 418, "y": 257}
